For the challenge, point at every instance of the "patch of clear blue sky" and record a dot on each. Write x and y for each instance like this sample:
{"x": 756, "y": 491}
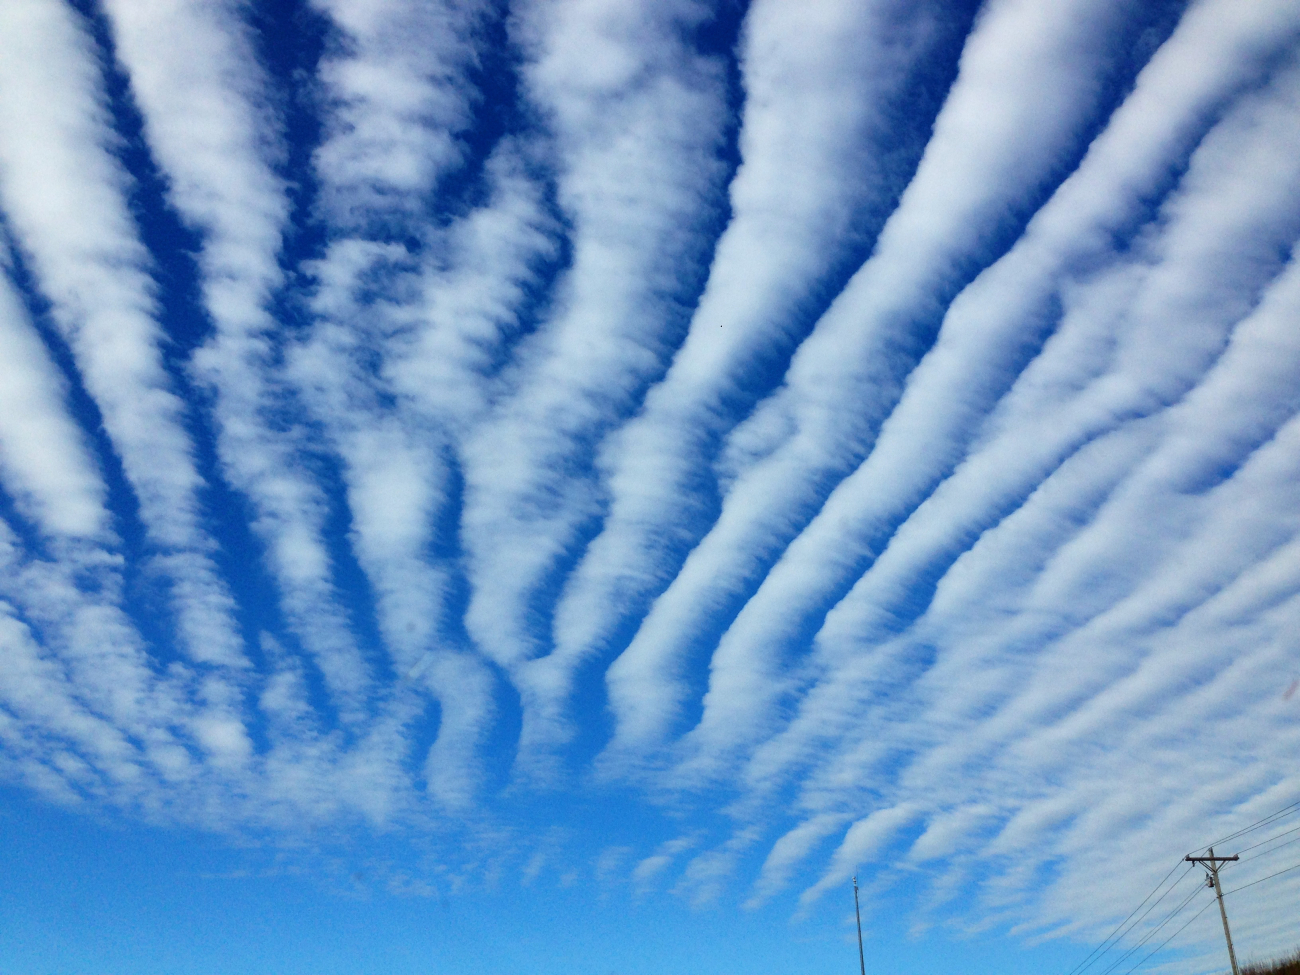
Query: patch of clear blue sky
{"x": 99, "y": 896}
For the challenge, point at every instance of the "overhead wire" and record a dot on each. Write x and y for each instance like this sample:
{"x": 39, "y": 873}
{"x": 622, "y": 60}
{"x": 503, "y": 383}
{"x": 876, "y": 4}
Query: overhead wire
{"x": 1204, "y": 907}
{"x": 1160, "y": 946}
{"x": 1258, "y": 824}
{"x": 1154, "y": 951}
{"x": 1154, "y": 931}
{"x": 1117, "y": 933}
{"x": 1294, "y": 866}
{"x": 1270, "y": 840}
{"x": 1130, "y": 922}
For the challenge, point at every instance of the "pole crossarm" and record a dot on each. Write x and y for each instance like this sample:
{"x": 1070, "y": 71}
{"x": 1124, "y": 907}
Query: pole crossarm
{"x": 1192, "y": 859}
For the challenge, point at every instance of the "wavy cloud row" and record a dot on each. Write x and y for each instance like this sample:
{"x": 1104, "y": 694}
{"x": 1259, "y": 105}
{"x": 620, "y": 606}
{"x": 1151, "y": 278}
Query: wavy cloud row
{"x": 866, "y": 434}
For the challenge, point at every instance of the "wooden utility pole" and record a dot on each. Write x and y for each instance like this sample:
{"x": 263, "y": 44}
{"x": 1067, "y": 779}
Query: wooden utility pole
{"x": 1212, "y": 862}
{"x": 862, "y": 959}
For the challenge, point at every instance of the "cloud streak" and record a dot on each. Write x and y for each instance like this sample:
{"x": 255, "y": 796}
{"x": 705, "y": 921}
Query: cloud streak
{"x": 699, "y": 452}
{"x": 801, "y": 441}
{"x": 65, "y": 196}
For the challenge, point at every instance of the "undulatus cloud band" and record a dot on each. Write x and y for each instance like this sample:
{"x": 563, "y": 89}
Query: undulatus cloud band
{"x": 863, "y": 432}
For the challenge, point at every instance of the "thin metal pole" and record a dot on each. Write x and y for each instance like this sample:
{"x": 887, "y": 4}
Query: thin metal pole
{"x": 862, "y": 959}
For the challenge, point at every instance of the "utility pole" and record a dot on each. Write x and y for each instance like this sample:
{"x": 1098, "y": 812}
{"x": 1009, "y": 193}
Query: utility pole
{"x": 1212, "y": 862}
{"x": 862, "y": 959}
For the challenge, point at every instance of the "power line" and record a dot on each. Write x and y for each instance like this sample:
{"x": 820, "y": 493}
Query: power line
{"x": 1129, "y": 923}
{"x": 1154, "y": 951}
{"x": 1280, "y": 814}
{"x": 1270, "y": 840}
{"x": 1295, "y": 866}
{"x": 1158, "y": 947}
{"x": 1129, "y": 926}
{"x": 1154, "y": 931}
{"x": 1103, "y": 947}
{"x": 1263, "y": 853}
{"x": 1150, "y": 934}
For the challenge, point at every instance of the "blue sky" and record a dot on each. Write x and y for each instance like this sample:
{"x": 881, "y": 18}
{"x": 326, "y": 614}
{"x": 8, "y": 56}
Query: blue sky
{"x": 564, "y": 485}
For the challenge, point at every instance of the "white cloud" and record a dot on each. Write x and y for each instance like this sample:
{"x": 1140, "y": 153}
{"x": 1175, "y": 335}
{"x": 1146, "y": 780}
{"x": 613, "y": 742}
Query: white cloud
{"x": 201, "y": 96}
{"x": 45, "y": 462}
{"x": 650, "y": 868}
{"x": 1008, "y": 125}
{"x": 635, "y": 120}
{"x": 65, "y": 196}
{"x": 864, "y": 839}
{"x": 820, "y": 82}
{"x": 953, "y": 388}
{"x": 396, "y": 98}
{"x": 1006, "y": 571}
{"x": 788, "y": 852}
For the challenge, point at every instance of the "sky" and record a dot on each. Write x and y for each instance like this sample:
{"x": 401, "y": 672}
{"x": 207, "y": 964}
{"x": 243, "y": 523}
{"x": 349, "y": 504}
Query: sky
{"x": 564, "y": 486}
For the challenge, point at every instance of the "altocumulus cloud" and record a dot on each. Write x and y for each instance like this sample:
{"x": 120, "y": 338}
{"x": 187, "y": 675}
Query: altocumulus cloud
{"x": 865, "y": 435}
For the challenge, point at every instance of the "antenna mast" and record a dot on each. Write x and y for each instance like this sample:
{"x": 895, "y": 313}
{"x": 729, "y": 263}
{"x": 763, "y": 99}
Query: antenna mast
{"x": 862, "y": 959}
